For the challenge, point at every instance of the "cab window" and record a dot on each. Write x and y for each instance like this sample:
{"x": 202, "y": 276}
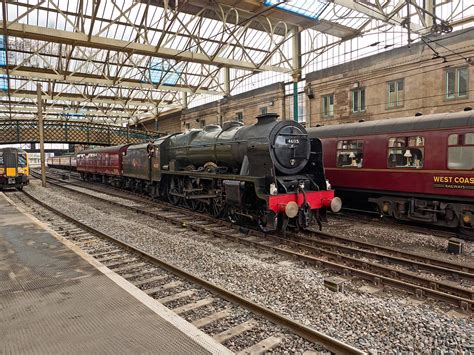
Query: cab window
{"x": 461, "y": 151}
{"x": 21, "y": 160}
{"x": 350, "y": 153}
{"x": 406, "y": 152}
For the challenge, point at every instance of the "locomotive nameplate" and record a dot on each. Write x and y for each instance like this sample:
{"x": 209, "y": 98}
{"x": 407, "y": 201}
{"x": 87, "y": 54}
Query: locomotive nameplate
{"x": 454, "y": 182}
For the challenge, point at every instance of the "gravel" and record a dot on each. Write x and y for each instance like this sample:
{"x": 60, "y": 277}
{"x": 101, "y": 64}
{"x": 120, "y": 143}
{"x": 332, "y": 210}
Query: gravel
{"x": 399, "y": 236}
{"x": 372, "y": 322}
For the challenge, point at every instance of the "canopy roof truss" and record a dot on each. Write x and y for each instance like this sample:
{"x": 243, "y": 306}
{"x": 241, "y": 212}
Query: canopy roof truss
{"x": 120, "y": 61}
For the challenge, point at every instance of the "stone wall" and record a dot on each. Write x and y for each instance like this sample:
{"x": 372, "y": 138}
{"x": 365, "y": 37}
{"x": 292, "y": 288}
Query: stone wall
{"x": 424, "y": 88}
{"x": 249, "y": 104}
{"x": 423, "y": 74}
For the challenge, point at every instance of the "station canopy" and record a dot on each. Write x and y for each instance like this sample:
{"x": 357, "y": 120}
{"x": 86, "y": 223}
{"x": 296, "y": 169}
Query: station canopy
{"x": 122, "y": 61}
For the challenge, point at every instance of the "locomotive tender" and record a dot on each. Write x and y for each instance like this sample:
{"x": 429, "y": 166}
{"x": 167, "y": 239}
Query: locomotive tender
{"x": 413, "y": 169}
{"x": 270, "y": 173}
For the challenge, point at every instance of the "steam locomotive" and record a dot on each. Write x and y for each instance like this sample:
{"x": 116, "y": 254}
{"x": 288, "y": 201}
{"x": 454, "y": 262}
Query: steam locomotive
{"x": 270, "y": 173}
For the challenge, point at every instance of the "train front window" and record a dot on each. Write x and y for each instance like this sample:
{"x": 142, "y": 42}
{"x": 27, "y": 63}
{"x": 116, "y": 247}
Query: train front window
{"x": 350, "y": 154}
{"x": 22, "y": 160}
{"x": 461, "y": 152}
{"x": 406, "y": 152}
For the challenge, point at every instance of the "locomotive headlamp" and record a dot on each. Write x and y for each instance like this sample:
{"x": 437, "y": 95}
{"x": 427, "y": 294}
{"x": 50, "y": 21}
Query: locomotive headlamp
{"x": 291, "y": 209}
{"x": 467, "y": 218}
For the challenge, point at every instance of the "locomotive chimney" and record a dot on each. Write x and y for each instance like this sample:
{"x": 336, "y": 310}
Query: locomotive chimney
{"x": 267, "y": 118}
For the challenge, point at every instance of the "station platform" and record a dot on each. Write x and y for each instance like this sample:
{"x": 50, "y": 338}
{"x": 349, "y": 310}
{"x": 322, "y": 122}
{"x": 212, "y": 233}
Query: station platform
{"x": 56, "y": 299}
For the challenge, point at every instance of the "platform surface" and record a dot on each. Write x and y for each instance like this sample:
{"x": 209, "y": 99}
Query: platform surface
{"x": 54, "y": 301}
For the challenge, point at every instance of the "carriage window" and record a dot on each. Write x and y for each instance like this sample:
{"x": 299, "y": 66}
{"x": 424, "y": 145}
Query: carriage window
{"x": 453, "y": 139}
{"x": 350, "y": 153}
{"x": 1, "y": 158}
{"x": 21, "y": 160}
{"x": 469, "y": 138}
{"x": 461, "y": 156}
{"x": 406, "y": 152}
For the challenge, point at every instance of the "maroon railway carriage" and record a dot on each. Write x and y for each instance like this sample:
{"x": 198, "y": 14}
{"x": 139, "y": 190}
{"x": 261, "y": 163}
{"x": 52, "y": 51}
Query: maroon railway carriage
{"x": 65, "y": 162}
{"x": 102, "y": 164}
{"x": 414, "y": 168}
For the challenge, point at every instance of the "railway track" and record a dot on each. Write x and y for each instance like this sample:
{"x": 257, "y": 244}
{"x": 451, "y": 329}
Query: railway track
{"x": 186, "y": 294}
{"x": 378, "y": 264}
{"x": 373, "y": 218}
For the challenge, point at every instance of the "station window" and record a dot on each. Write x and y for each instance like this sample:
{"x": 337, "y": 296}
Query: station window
{"x": 350, "y": 154}
{"x": 396, "y": 93}
{"x": 263, "y": 110}
{"x": 461, "y": 151}
{"x": 456, "y": 83}
{"x": 406, "y": 152}
{"x": 187, "y": 126}
{"x": 202, "y": 123}
{"x": 328, "y": 105}
{"x": 239, "y": 116}
{"x": 358, "y": 100}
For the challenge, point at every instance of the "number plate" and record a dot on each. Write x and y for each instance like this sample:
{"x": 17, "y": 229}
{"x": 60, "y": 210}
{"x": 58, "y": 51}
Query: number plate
{"x": 11, "y": 180}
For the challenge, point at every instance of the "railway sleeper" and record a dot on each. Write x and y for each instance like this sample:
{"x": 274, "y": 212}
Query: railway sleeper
{"x": 263, "y": 346}
{"x": 177, "y": 296}
{"x": 192, "y": 306}
{"x": 214, "y": 317}
{"x": 235, "y": 331}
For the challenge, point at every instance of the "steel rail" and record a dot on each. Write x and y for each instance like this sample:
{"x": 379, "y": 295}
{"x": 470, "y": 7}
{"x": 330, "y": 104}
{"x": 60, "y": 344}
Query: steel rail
{"x": 400, "y": 253}
{"x": 304, "y": 331}
{"x": 466, "y": 272}
{"x": 463, "y": 298}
